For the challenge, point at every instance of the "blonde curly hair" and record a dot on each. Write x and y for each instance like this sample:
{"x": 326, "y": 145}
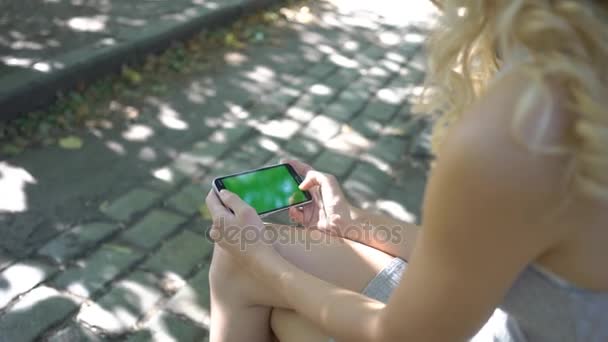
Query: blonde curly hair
{"x": 564, "y": 40}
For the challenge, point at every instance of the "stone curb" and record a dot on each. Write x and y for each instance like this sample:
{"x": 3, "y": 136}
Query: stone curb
{"x": 27, "y": 89}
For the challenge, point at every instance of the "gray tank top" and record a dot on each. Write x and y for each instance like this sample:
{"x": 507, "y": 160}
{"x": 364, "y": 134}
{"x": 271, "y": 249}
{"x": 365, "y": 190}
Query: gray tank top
{"x": 540, "y": 306}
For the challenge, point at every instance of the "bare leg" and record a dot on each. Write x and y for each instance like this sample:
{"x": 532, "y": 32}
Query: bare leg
{"x": 288, "y": 326}
{"x": 241, "y": 307}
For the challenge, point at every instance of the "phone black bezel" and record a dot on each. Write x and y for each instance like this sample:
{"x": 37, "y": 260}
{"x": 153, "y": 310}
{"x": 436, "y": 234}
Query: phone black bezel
{"x": 219, "y": 184}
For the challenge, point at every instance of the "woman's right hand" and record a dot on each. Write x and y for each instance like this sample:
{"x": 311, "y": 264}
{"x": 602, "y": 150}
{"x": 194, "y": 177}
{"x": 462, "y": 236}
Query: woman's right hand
{"x": 330, "y": 210}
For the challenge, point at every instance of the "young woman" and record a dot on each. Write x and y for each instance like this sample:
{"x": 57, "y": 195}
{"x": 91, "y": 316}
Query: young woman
{"x": 515, "y": 220}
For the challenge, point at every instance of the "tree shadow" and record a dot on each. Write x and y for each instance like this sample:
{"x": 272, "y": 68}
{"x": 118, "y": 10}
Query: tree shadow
{"x": 34, "y": 33}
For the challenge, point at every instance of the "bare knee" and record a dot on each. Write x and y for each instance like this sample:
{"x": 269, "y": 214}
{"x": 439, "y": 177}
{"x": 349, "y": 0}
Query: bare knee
{"x": 232, "y": 284}
{"x": 224, "y": 274}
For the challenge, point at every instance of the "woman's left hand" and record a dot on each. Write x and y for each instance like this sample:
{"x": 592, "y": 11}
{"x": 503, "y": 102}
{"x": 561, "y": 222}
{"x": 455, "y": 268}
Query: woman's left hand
{"x": 240, "y": 232}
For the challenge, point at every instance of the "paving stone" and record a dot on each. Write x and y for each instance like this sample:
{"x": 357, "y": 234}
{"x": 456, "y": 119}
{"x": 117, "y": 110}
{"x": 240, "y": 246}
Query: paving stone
{"x": 192, "y": 300}
{"x": 375, "y": 77}
{"x": 354, "y": 97}
{"x": 366, "y": 183}
{"x": 166, "y": 178}
{"x": 38, "y": 310}
{"x": 357, "y": 89}
{"x": 422, "y": 145}
{"x": 321, "y": 94}
{"x": 254, "y": 152}
{"x": 119, "y": 310}
{"x": 362, "y": 87}
{"x": 230, "y": 135}
{"x": 201, "y": 224}
{"x": 413, "y": 76}
{"x": 280, "y": 128}
{"x": 300, "y": 114}
{"x": 5, "y": 259}
{"x": 321, "y": 70}
{"x": 152, "y": 228}
{"x": 77, "y": 240}
{"x": 20, "y": 278}
{"x": 284, "y": 97}
{"x": 264, "y": 110}
{"x": 403, "y": 126}
{"x": 334, "y": 163}
{"x": 303, "y": 147}
{"x": 300, "y": 82}
{"x": 180, "y": 254}
{"x": 394, "y": 93}
{"x": 409, "y": 190}
{"x": 205, "y": 153}
{"x": 374, "y": 52}
{"x": 418, "y": 62}
{"x": 367, "y": 127}
{"x": 94, "y": 272}
{"x": 188, "y": 165}
{"x": 123, "y": 208}
{"x": 349, "y": 142}
{"x": 188, "y": 200}
{"x": 341, "y": 79}
{"x": 74, "y": 332}
{"x": 343, "y": 111}
{"x": 389, "y": 65}
{"x": 322, "y": 128}
{"x": 359, "y": 193}
{"x": 389, "y": 149}
{"x": 395, "y": 56}
{"x": 363, "y": 60}
{"x": 369, "y": 173}
{"x": 167, "y": 327}
{"x": 410, "y": 49}
{"x": 228, "y": 166}
{"x": 307, "y": 103}
{"x": 379, "y": 110}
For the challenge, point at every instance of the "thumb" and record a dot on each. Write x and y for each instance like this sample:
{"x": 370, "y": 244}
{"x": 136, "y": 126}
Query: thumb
{"x": 313, "y": 178}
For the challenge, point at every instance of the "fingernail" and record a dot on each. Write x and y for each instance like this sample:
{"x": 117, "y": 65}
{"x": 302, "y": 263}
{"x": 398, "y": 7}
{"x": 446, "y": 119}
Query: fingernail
{"x": 214, "y": 234}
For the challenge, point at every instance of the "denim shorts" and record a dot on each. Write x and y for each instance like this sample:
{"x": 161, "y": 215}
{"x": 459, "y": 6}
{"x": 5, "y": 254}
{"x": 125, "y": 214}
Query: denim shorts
{"x": 382, "y": 286}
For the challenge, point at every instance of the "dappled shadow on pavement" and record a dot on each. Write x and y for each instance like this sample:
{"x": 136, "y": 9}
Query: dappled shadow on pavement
{"x": 34, "y": 33}
{"x": 113, "y": 233}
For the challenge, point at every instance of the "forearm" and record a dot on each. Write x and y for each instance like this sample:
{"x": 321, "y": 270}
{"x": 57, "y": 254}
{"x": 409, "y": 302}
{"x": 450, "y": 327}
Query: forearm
{"x": 340, "y": 313}
{"x": 382, "y": 232}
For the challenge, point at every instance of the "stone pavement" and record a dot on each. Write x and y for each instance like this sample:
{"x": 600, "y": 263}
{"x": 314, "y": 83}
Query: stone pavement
{"x": 55, "y": 45}
{"x": 108, "y": 242}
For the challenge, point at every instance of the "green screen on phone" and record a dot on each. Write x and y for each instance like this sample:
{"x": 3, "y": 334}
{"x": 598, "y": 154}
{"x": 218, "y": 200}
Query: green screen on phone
{"x": 266, "y": 189}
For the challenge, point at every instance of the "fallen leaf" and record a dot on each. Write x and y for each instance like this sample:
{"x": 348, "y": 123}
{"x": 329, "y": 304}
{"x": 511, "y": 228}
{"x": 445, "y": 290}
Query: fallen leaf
{"x": 71, "y": 142}
{"x": 131, "y": 113}
{"x": 11, "y": 150}
{"x": 104, "y": 205}
{"x": 131, "y": 75}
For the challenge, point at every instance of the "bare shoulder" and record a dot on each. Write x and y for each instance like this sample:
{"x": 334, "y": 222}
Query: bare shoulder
{"x": 505, "y": 182}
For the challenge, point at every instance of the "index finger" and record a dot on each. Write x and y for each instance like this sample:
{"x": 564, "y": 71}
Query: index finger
{"x": 215, "y": 206}
{"x": 300, "y": 167}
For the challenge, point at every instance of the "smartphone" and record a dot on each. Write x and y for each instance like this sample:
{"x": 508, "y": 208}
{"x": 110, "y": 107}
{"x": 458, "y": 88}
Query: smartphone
{"x": 268, "y": 189}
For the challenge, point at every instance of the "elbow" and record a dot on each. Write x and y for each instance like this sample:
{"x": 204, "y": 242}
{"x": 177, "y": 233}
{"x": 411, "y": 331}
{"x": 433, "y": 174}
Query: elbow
{"x": 390, "y": 329}
{"x": 385, "y": 329}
